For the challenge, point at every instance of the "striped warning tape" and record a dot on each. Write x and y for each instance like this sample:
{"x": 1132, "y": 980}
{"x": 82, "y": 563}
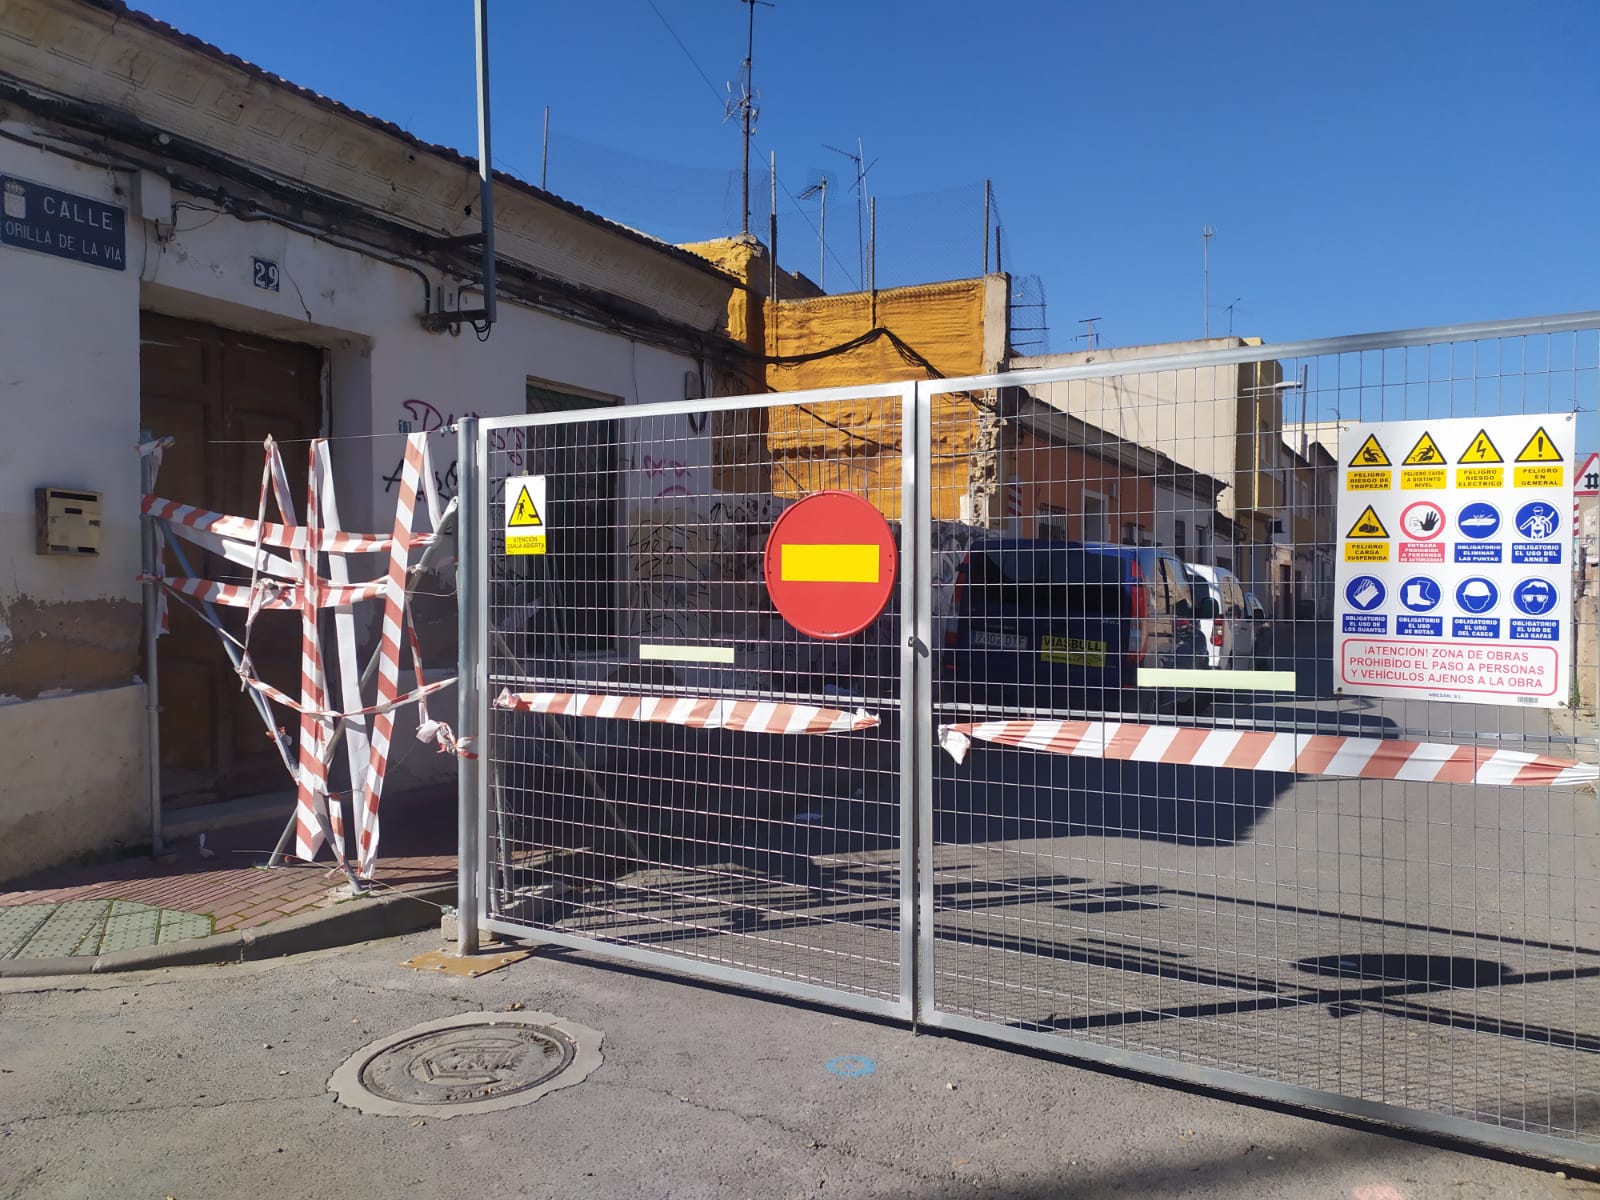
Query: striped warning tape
{"x": 293, "y": 583}
{"x": 697, "y": 712}
{"x": 269, "y": 594}
{"x": 394, "y": 603}
{"x": 1303, "y": 754}
{"x": 284, "y": 536}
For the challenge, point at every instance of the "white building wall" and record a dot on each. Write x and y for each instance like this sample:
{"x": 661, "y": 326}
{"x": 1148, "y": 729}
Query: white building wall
{"x": 69, "y": 392}
{"x": 69, "y": 416}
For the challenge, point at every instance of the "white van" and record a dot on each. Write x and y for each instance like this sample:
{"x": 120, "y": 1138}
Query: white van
{"x": 1222, "y": 617}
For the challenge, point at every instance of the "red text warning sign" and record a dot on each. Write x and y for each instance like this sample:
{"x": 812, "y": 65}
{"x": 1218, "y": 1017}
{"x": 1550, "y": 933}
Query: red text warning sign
{"x": 1448, "y": 670}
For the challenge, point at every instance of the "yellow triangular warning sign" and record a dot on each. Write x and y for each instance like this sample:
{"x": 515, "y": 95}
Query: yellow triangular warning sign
{"x": 1540, "y": 449}
{"x": 1425, "y": 453}
{"x": 1371, "y": 454}
{"x": 1367, "y": 526}
{"x": 1482, "y": 450}
{"x": 523, "y": 513}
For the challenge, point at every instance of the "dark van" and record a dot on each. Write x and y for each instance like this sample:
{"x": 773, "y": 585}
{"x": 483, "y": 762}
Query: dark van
{"x": 1045, "y": 624}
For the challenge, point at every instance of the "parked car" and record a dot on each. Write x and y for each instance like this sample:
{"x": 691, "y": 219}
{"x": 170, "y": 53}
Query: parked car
{"x": 1068, "y": 625}
{"x": 1220, "y": 612}
{"x": 1260, "y": 623}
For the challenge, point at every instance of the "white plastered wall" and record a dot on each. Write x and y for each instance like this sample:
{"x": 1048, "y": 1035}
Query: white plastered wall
{"x": 69, "y": 416}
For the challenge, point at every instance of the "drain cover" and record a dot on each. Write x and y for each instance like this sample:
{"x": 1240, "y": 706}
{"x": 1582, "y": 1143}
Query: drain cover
{"x": 476, "y": 1062}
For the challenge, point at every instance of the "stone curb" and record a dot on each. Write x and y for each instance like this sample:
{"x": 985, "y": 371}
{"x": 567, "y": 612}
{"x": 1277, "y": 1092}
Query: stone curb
{"x": 358, "y": 920}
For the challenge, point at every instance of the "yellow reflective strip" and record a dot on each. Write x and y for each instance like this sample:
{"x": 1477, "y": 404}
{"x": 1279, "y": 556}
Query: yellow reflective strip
{"x": 691, "y": 654}
{"x": 828, "y": 564}
{"x": 1254, "y": 681}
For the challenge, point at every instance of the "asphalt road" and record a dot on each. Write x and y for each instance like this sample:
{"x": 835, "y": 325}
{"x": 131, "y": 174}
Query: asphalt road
{"x": 211, "y": 1082}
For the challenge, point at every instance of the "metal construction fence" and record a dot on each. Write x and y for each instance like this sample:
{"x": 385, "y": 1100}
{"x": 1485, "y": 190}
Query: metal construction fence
{"x": 1231, "y": 717}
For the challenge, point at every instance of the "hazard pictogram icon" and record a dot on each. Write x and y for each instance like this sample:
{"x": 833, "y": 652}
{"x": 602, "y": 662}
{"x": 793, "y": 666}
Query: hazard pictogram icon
{"x": 1425, "y": 453}
{"x": 1371, "y": 454}
{"x": 1368, "y": 525}
{"x": 524, "y": 513}
{"x": 1540, "y": 449}
{"x": 1482, "y": 450}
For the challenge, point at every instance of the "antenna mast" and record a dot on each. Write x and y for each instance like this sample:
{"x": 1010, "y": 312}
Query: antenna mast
{"x": 747, "y": 105}
{"x": 1206, "y": 234}
{"x": 859, "y": 187}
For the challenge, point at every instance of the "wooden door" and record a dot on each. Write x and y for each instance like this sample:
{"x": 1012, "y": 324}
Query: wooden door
{"x": 220, "y": 393}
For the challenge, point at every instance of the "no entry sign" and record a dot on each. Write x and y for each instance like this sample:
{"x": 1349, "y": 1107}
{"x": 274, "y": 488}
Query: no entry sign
{"x": 830, "y": 565}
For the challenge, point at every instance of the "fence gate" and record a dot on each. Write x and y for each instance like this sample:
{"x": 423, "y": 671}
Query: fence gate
{"x": 1233, "y": 719}
{"x": 644, "y": 788}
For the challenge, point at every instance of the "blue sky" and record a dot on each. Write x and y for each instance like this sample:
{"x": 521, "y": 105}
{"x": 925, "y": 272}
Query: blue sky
{"x": 1366, "y": 166}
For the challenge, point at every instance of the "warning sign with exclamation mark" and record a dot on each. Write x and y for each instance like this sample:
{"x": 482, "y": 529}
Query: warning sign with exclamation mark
{"x": 526, "y": 523}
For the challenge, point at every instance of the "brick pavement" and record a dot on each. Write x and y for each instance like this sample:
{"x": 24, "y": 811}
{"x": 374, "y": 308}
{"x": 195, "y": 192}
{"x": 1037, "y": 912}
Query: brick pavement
{"x": 188, "y": 893}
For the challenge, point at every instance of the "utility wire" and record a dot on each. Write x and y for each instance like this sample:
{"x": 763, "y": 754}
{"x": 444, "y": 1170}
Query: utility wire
{"x": 721, "y": 101}
{"x": 722, "y": 104}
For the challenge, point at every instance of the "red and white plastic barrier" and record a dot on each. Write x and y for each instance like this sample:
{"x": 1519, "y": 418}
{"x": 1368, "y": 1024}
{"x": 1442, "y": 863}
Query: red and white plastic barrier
{"x": 1303, "y": 754}
{"x": 293, "y": 582}
{"x": 697, "y": 712}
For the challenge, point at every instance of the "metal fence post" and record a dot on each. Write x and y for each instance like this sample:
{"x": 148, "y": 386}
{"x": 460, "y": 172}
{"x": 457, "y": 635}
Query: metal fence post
{"x": 469, "y": 643}
{"x": 152, "y": 631}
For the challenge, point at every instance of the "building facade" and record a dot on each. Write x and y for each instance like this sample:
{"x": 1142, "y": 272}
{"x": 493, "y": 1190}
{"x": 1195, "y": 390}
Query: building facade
{"x": 214, "y": 254}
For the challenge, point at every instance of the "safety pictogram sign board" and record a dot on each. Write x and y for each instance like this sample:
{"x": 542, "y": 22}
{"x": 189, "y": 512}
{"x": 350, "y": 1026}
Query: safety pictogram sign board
{"x": 1454, "y": 582}
{"x": 831, "y": 564}
{"x": 527, "y": 518}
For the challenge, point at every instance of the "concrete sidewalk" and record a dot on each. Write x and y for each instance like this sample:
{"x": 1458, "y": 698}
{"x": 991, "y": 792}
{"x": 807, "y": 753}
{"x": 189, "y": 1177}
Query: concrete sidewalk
{"x": 222, "y": 903}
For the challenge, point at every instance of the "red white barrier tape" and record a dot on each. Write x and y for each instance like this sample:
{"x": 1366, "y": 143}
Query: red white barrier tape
{"x": 285, "y": 536}
{"x": 292, "y": 583}
{"x": 269, "y": 594}
{"x": 697, "y": 712}
{"x": 1303, "y": 754}
{"x": 394, "y": 593}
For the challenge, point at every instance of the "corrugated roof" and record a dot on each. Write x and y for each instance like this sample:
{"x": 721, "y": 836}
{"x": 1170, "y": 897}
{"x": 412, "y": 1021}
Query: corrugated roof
{"x": 121, "y": 10}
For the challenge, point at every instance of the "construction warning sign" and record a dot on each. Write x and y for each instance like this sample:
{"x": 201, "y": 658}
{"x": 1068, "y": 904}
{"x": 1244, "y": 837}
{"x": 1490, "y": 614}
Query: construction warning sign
{"x": 1425, "y": 453}
{"x": 1538, "y": 464}
{"x": 1457, "y": 585}
{"x": 1367, "y": 525}
{"x": 1370, "y": 454}
{"x": 526, "y": 515}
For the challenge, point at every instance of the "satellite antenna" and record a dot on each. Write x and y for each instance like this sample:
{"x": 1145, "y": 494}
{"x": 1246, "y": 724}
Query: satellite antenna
{"x": 820, "y": 188}
{"x": 859, "y": 188}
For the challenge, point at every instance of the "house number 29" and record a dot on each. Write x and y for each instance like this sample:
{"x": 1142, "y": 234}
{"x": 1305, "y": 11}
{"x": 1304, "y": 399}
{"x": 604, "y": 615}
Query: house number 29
{"x": 265, "y": 273}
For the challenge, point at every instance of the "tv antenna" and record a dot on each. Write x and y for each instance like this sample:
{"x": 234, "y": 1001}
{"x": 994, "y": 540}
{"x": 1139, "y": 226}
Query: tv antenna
{"x": 1228, "y": 308}
{"x": 746, "y": 106}
{"x": 820, "y": 188}
{"x": 1089, "y": 334}
{"x": 859, "y": 188}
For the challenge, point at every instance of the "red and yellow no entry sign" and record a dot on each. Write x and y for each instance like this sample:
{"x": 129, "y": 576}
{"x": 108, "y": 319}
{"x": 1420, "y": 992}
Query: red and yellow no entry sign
{"x": 831, "y": 564}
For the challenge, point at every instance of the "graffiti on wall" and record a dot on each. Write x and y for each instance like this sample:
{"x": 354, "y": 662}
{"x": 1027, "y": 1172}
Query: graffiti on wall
{"x": 423, "y": 416}
{"x": 694, "y": 567}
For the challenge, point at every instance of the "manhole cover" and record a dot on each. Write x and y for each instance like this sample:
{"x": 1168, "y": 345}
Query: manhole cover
{"x": 477, "y": 1062}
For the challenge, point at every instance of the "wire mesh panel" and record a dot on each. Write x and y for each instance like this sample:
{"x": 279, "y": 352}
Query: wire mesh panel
{"x": 1263, "y": 700}
{"x": 673, "y": 771}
